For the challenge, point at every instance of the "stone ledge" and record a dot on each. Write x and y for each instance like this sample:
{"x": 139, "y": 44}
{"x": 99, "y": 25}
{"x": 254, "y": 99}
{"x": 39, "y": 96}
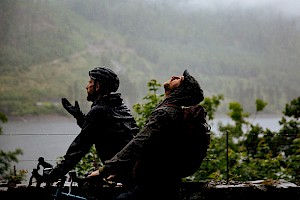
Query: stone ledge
{"x": 252, "y": 190}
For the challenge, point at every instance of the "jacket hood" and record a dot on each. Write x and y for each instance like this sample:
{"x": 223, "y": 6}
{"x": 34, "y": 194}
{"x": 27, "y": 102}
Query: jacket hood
{"x": 189, "y": 93}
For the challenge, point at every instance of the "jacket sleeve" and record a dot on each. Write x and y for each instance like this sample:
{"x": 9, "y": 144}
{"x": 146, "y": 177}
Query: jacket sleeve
{"x": 80, "y": 120}
{"x": 79, "y": 147}
{"x": 141, "y": 142}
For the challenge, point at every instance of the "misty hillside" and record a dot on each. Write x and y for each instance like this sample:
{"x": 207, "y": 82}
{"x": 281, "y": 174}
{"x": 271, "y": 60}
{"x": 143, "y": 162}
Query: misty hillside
{"x": 47, "y": 48}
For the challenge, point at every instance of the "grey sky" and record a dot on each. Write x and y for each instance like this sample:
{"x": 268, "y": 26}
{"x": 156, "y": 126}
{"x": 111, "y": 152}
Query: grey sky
{"x": 288, "y": 7}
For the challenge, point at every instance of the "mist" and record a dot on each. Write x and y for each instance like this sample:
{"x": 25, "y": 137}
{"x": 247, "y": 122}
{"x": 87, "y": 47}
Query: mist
{"x": 287, "y": 8}
{"x": 243, "y": 49}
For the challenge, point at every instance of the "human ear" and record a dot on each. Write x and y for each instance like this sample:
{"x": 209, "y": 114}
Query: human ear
{"x": 97, "y": 86}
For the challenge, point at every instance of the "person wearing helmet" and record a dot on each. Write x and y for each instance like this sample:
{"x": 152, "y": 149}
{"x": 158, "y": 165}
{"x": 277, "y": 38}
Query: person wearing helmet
{"x": 153, "y": 152}
{"x": 43, "y": 163}
{"x": 108, "y": 125}
{"x": 35, "y": 172}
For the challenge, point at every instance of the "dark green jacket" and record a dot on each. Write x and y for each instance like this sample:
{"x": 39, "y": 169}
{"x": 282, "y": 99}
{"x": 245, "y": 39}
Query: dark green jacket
{"x": 153, "y": 153}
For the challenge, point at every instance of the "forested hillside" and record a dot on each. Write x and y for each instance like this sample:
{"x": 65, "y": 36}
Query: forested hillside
{"x": 47, "y": 47}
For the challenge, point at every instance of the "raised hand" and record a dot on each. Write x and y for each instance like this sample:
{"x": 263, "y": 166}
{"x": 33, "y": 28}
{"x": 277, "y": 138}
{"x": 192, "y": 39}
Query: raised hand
{"x": 73, "y": 110}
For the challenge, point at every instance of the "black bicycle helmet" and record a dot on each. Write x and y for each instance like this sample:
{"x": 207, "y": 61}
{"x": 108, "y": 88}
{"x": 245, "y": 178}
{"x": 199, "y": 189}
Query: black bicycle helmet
{"x": 107, "y": 77}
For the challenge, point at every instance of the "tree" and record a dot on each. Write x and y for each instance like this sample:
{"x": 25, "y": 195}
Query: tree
{"x": 143, "y": 110}
{"x": 6, "y": 158}
{"x": 253, "y": 152}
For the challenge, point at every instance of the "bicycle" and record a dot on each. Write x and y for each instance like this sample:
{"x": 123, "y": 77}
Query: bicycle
{"x": 95, "y": 188}
{"x": 60, "y": 193}
{"x": 73, "y": 187}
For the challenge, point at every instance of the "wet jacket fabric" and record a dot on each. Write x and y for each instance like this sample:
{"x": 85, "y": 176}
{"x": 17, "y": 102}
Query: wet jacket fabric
{"x": 152, "y": 153}
{"x": 109, "y": 125}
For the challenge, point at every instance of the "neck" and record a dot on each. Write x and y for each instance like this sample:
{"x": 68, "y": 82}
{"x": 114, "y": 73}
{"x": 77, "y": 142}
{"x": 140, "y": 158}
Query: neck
{"x": 167, "y": 93}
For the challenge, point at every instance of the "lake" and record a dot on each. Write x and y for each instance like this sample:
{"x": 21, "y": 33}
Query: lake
{"x": 49, "y": 137}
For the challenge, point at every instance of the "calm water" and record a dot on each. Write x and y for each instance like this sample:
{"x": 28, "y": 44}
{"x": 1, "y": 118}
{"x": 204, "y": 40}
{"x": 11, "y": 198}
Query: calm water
{"x": 51, "y": 137}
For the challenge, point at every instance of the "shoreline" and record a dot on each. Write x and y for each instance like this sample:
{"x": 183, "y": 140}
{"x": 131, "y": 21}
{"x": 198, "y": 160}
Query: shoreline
{"x": 32, "y": 118}
{"x": 252, "y": 116}
{"x": 56, "y": 117}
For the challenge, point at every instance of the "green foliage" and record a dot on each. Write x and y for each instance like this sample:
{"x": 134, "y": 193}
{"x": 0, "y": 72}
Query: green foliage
{"x": 3, "y": 119}
{"x": 143, "y": 110}
{"x": 211, "y": 105}
{"x": 90, "y": 162}
{"x": 7, "y": 158}
{"x": 254, "y": 153}
{"x": 15, "y": 177}
{"x": 293, "y": 109}
{"x": 260, "y": 105}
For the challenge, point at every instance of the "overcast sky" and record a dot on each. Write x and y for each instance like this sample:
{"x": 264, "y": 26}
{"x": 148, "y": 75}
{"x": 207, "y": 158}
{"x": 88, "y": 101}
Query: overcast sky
{"x": 288, "y": 7}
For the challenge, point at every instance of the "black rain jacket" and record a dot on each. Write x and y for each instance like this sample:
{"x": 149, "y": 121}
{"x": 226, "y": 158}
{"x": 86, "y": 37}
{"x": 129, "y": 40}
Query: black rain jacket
{"x": 109, "y": 125}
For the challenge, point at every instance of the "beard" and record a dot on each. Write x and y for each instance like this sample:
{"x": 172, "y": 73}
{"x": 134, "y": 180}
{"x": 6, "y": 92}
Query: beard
{"x": 167, "y": 88}
{"x": 92, "y": 96}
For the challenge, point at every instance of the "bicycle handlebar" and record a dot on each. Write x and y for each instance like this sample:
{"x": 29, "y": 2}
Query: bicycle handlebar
{"x": 86, "y": 188}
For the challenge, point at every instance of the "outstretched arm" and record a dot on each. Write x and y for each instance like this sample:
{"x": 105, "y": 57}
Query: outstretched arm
{"x": 74, "y": 110}
{"x": 78, "y": 149}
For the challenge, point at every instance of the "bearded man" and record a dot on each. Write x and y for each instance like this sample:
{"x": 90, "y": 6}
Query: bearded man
{"x": 108, "y": 125}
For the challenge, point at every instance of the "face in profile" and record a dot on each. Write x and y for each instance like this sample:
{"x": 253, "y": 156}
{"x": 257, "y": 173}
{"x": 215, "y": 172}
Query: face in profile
{"x": 172, "y": 84}
{"x": 91, "y": 90}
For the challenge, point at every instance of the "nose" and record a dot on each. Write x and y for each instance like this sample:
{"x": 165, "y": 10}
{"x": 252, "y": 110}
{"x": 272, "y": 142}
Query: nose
{"x": 175, "y": 77}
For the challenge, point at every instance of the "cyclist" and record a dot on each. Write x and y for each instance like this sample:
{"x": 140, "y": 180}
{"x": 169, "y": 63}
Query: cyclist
{"x": 108, "y": 125}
